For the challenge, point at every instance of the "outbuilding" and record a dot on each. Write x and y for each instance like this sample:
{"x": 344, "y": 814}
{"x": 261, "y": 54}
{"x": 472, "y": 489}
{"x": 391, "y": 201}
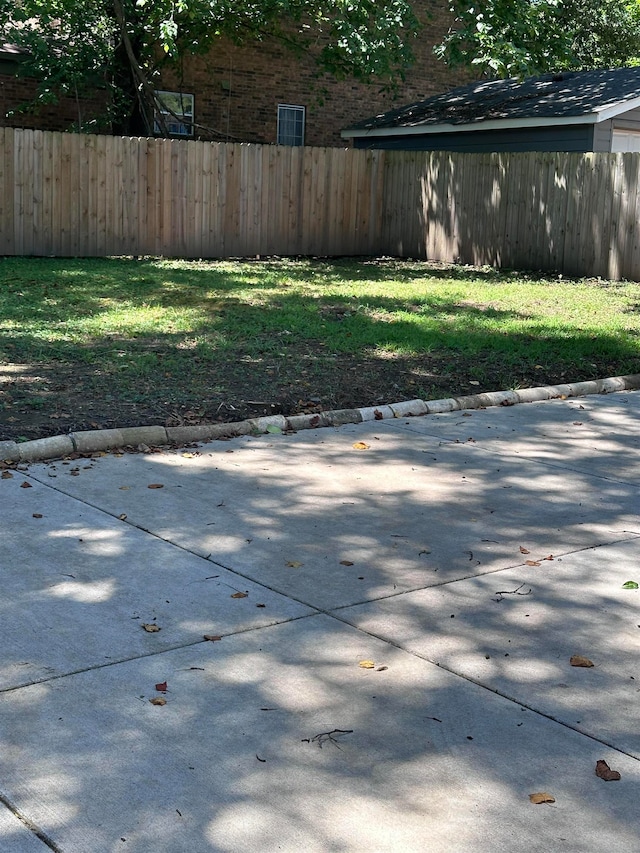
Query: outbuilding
{"x": 568, "y": 111}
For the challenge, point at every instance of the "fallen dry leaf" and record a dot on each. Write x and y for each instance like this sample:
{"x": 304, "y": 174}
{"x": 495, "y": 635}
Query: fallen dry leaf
{"x": 6, "y": 475}
{"x": 366, "y": 664}
{"x": 293, "y": 564}
{"x": 161, "y": 687}
{"x": 155, "y": 486}
{"x": 605, "y": 772}
{"x": 26, "y": 485}
{"x": 579, "y": 660}
{"x": 124, "y": 488}
{"x": 122, "y": 517}
{"x": 541, "y": 797}
{"x": 360, "y": 445}
{"x": 524, "y": 550}
{"x": 150, "y": 628}
{"x": 531, "y": 563}
{"x": 381, "y": 668}
{"x": 37, "y": 515}
{"x": 550, "y": 557}
{"x": 211, "y": 637}
{"x": 158, "y": 700}
{"x": 346, "y": 563}
{"x": 240, "y": 595}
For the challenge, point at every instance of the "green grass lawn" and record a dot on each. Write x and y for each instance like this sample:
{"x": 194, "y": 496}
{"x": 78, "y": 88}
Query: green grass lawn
{"x": 122, "y": 340}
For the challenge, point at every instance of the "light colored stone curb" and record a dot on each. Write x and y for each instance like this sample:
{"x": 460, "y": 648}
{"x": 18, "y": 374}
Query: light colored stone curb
{"x": 93, "y": 441}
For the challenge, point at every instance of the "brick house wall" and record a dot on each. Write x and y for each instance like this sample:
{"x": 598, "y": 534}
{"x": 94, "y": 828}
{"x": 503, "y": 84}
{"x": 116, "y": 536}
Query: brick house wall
{"x": 16, "y": 91}
{"x": 237, "y": 90}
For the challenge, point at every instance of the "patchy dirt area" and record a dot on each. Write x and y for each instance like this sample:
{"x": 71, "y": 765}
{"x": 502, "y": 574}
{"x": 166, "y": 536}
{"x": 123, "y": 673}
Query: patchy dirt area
{"x": 38, "y": 400}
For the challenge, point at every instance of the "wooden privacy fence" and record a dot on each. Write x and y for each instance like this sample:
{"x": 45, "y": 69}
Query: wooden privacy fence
{"x": 72, "y": 194}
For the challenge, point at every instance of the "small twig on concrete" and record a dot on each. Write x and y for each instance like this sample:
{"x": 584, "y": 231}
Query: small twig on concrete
{"x": 515, "y": 591}
{"x": 328, "y": 737}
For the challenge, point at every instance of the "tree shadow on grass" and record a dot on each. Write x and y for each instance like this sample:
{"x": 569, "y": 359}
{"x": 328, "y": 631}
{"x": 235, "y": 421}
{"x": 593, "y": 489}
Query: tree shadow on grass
{"x": 139, "y": 341}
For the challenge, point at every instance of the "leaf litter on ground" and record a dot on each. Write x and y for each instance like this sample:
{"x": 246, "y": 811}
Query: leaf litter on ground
{"x": 541, "y": 797}
{"x": 580, "y": 660}
{"x": 603, "y": 771}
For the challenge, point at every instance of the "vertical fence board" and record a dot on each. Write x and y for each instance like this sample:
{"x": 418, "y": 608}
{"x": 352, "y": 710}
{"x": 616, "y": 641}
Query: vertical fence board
{"x": 37, "y": 165}
{"x": 430, "y": 196}
{"x": 633, "y": 259}
{"x": 219, "y": 175}
{"x": 630, "y": 222}
{"x": 613, "y": 270}
{"x": 7, "y": 180}
{"x": 295, "y": 200}
{"x": 140, "y": 162}
{"x": 194, "y": 200}
{"x": 270, "y": 204}
{"x": 599, "y": 213}
{"x": 574, "y": 216}
{"x": 91, "y": 195}
{"x": 18, "y": 190}
{"x": 206, "y": 203}
{"x": 391, "y": 236}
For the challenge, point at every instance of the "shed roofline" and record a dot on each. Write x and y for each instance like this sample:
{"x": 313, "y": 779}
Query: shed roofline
{"x": 607, "y": 112}
{"x": 595, "y": 117}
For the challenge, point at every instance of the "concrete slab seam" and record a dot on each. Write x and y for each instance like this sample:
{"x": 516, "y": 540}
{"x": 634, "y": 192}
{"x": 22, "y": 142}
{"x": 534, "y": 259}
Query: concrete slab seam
{"x": 28, "y": 824}
{"x": 94, "y": 441}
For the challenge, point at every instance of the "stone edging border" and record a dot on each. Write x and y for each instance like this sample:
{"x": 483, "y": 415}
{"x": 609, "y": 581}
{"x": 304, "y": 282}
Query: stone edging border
{"x": 93, "y": 441}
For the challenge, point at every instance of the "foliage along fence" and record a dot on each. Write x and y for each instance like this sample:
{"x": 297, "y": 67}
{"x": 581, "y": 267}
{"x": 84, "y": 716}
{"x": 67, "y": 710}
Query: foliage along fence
{"x": 78, "y": 195}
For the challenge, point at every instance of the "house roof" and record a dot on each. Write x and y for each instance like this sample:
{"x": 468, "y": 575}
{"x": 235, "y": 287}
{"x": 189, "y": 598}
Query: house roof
{"x": 570, "y": 97}
{"x": 10, "y": 49}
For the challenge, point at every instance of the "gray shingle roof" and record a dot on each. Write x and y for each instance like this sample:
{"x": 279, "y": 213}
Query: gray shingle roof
{"x": 560, "y": 95}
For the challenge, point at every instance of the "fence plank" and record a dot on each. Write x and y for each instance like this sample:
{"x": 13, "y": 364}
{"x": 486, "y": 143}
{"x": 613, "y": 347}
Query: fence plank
{"x": 614, "y": 265}
{"x": 219, "y": 175}
{"x": 295, "y": 200}
{"x": 8, "y": 220}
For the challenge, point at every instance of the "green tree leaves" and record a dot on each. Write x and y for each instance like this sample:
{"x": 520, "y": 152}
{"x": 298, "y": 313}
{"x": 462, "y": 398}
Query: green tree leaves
{"x": 524, "y": 37}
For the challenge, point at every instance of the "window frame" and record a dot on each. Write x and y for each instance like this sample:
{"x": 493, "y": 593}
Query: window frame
{"x": 170, "y": 121}
{"x": 299, "y": 109}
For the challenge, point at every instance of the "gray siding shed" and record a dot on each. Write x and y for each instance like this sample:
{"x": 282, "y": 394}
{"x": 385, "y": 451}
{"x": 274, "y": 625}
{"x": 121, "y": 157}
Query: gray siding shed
{"x": 570, "y": 111}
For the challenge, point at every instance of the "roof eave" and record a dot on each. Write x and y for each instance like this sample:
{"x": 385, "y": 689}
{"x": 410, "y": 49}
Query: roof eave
{"x": 490, "y": 124}
{"x": 615, "y": 110}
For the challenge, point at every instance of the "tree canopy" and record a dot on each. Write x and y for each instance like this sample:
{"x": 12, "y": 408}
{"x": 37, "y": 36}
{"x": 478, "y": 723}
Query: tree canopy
{"x": 507, "y": 38}
{"x": 73, "y": 47}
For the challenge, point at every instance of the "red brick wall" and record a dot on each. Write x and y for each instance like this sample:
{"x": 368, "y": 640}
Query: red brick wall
{"x": 16, "y": 91}
{"x": 237, "y": 90}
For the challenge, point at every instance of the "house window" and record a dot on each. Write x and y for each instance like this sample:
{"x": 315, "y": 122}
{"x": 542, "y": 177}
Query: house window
{"x": 177, "y": 111}
{"x": 290, "y": 125}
